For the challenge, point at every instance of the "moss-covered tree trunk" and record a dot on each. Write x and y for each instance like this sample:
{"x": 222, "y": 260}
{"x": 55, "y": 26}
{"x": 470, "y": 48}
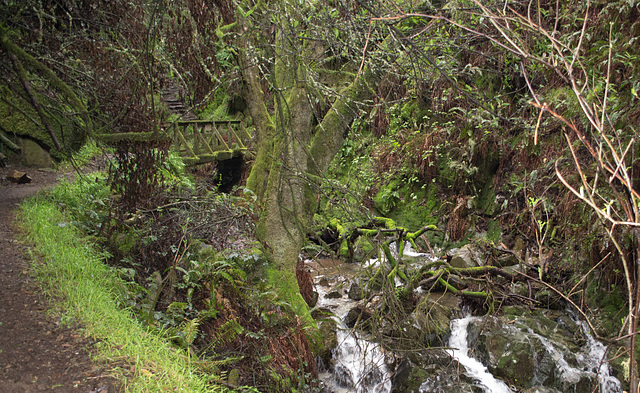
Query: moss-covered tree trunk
{"x": 292, "y": 152}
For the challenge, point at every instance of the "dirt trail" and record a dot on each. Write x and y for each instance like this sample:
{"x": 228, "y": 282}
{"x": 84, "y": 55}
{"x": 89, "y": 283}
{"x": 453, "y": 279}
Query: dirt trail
{"x": 36, "y": 354}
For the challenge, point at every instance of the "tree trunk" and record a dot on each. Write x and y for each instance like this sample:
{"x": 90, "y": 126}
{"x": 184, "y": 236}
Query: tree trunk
{"x": 291, "y": 153}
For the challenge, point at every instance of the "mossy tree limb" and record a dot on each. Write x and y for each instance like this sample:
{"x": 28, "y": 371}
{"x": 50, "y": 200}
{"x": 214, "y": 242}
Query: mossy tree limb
{"x": 22, "y": 76}
{"x": 54, "y": 81}
{"x": 8, "y": 142}
{"x": 292, "y": 154}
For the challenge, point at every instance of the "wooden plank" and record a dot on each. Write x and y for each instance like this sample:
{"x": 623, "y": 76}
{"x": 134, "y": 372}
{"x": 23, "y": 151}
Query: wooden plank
{"x": 186, "y": 145}
{"x": 221, "y": 139}
{"x": 235, "y": 135}
{"x": 205, "y": 145}
{"x": 220, "y": 155}
{"x": 196, "y": 142}
{"x": 218, "y": 122}
{"x": 133, "y": 136}
{"x": 212, "y": 137}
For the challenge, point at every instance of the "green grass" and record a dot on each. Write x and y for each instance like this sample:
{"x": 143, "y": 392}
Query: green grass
{"x": 83, "y": 156}
{"x": 67, "y": 263}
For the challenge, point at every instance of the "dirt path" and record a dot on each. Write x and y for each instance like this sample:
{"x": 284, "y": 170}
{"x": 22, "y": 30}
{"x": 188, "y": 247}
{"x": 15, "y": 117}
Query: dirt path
{"x": 36, "y": 353}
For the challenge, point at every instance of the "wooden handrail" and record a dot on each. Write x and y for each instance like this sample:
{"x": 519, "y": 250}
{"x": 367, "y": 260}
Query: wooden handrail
{"x": 217, "y": 122}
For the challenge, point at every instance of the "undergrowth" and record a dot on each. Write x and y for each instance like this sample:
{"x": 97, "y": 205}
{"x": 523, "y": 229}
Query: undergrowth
{"x": 179, "y": 297}
{"x": 76, "y": 271}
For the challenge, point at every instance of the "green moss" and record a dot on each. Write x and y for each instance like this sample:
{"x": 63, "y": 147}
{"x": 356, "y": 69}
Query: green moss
{"x": 388, "y": 197}
{"x": 410, "y": 115}
{"x": 494, "y": 233}
{"x": 125, "y": 242}
{"x": 564, "y": 100}
{"x": 415, "y": 207}
{"x": 218, "y": 106}
{"x": 17, "y": 117}
{"x": 611, "y": 304}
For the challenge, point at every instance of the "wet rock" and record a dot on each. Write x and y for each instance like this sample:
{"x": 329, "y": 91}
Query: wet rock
{"x": 355, "y": 291}
{"x": 542, "y": 389}
{"x": 358, "y": 316}
{"x": 333, "y": 295}
{"x": 329, "y": 341}
{"x": 430, "y": 322}
{"x": 18, "y": 177}
{"x": 466, "y": 256}
{"x": 408, "y": 377}
{"x": 323, "y": 282}
{"x": 533, "y": 350}
{"x": 432, "y": 370}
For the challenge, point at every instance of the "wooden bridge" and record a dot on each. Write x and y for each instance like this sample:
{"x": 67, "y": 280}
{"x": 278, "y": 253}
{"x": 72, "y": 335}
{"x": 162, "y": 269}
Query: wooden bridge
{"x": 197, "y": 141}
{"x": 202, "y": 141}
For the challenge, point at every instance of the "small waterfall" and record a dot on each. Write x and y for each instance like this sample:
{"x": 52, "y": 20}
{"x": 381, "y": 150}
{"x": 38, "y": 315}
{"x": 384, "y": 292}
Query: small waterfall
{"x": 360, "y": 365}
{"x": 591, "y": 361}
{"x": 596, "y": 358}
{"x": 475, "y": 369}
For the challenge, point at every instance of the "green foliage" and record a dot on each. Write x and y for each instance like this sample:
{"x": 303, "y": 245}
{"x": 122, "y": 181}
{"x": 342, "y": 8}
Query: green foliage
{"x": 611, "y": 306}
{"x": 87, "y": 201}
{"x": 388, "y": 198}
{"x": 77, "y": 272}
{"x": 173, "y": 172}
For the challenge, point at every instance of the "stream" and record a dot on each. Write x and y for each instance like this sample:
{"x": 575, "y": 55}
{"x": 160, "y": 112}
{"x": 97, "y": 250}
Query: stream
{"x": 549, "y": 352}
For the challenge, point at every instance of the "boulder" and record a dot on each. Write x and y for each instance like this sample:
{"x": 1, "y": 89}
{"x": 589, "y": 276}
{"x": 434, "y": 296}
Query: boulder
{"x": 431, "y": 371}
{"x": 355, "y": 291}
{"x": 33, "y": 155}
{"x": 358, "y": 316}
{"x": 18, "y": 177}
{"x": 533, "y": 350}
{"x": 430, "y": 322}
{"x": 465, "y": 256}
{"x": 329, "y": 341}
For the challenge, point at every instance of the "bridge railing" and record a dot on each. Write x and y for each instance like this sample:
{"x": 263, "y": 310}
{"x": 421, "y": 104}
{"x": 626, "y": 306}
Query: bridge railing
{"x": 201, "y": 141}
{"x": 197, "y": 141}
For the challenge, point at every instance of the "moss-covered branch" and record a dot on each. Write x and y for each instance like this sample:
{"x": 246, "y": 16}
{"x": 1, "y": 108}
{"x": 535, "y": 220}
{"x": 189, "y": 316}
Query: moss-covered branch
{"x": 47, "y": 73}
{"x": 328, "y": 135}
{"x": 263, "y": 124}
{"x": 22, "y": 76}
{"x": 8, "y": 142}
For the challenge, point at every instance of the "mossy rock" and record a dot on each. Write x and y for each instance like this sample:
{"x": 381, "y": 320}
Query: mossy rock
{"x": 408, "y": 377}
{"x": 411, "y": 207}
{"x": 430, "y": 322}
{"x": 363, "y": 249}
{"x": 516, "y": 364}
{"x": 16, "y": 119}
{"x": 34, "y": 155}
{"x": 329, "y": 340}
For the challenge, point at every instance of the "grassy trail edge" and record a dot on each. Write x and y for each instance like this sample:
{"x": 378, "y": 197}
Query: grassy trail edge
{"x": 71, "y": 267}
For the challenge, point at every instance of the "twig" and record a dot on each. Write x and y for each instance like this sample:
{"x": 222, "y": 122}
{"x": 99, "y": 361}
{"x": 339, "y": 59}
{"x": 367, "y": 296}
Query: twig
{"x": 589, "y": 272}
{"x": 565, "y": 298}
{"x": 364, "y": 50}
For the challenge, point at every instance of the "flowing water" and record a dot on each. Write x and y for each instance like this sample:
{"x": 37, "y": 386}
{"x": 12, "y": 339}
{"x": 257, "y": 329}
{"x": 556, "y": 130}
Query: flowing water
{"x": 359, "y": 365}
{"x": 475, "y": 369}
